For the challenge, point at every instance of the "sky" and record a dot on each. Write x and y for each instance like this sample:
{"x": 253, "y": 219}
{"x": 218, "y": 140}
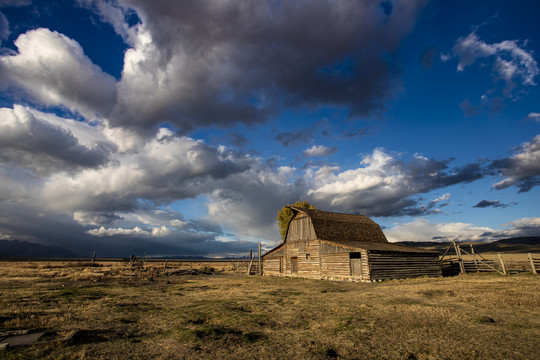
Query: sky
{"x": 182, "y": 127}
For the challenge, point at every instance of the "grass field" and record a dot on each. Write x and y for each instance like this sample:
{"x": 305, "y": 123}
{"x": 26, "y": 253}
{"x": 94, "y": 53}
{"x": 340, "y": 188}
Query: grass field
{"x": 124, "y": 313}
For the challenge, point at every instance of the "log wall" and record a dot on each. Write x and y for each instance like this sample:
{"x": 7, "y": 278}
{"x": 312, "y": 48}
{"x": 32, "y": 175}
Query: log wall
{"x": 272, "y": 260}
{"x": 402, "y": 265}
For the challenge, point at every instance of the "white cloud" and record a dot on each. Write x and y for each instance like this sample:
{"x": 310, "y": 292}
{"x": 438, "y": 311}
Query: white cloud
{"x": 424, "y": 230}
{"x": 136, "y": 231}
{"x": 521, "y": 169}
{"x": 319, "y": 150}
{"x": 53, "y": 70}
{"x": 534, "y": 116}
{"x": 511, "y": 61}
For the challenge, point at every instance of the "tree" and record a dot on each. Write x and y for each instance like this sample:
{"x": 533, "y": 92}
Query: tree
{"x": 285, "y": 214}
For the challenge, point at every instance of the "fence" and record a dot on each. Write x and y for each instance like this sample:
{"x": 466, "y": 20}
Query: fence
{"x": 456, "y": 265}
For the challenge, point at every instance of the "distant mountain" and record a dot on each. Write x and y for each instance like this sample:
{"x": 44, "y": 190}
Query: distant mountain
{"x": 25, "y": 249}
{"x": 530, "y": 244}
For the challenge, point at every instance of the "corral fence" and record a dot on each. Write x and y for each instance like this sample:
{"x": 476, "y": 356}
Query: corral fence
{"x": 454, "y": 263}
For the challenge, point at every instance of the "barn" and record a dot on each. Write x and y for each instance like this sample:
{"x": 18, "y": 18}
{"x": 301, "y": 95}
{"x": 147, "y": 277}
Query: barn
{"x": 322, "y": 244}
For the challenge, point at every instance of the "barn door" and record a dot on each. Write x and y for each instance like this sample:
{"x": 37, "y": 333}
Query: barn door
{"x": 294, "y": 265}
{"x": 356, "y": 265}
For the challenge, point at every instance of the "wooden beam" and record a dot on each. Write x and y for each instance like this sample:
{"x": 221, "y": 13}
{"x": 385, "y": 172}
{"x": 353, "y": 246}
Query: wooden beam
{"x": 448, "y": 248}
{"x": 250, "y": 263}
{"x": 473, "y": 254}
{"x": 260, "y": 267}
{"x": 460, "y": 259}
{"x": 502, "y": 265}
{"x": 532, "y": 264}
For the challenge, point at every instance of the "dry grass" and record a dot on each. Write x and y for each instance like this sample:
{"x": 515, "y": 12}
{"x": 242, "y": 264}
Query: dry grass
{"x": 125, "y": 313}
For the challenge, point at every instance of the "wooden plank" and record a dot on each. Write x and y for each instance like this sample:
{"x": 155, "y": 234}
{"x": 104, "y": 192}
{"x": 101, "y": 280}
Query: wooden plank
{"x": 533, "y": 267}
{"x": 502, "y": 265}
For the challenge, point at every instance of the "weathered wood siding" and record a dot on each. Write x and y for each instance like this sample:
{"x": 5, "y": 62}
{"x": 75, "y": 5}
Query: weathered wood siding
{"x": 271, "y": 262}
{"x": 384, "y": 265}
{"x": 335, "y": 265}
{"x": 335, "y": 261}
{"x": 301, "y": 243}
{"x": 300, "y": 228}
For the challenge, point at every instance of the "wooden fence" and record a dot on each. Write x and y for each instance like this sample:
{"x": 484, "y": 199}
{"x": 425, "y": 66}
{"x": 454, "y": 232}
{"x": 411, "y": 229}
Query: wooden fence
{"x": 456, "y": 265}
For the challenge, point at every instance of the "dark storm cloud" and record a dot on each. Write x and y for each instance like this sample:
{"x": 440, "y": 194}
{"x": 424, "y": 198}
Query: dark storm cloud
{"x": 226, "y": 62}
{"x": 26, "y": 223}
{"x": 490, "y": 203}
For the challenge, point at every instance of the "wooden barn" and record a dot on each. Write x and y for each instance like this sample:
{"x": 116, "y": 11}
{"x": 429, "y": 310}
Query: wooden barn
{"x": 321, "y": 244}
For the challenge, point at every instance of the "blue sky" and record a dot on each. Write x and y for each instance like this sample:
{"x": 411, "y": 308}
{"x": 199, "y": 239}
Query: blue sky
{"x": 181, "y": 128}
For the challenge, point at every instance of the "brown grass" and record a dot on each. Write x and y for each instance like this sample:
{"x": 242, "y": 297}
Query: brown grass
{"x": 127, "y": 313}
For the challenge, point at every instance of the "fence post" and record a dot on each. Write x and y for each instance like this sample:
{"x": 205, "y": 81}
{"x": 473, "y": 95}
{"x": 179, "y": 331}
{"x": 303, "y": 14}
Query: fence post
{"x": 532, "y": 264}
{"x": 260, "y": 265}
{"x": 250, "y": 263}
{"x": 460, "y": 259}
{"x": 94, "y": 257}
{"x": 474, "y": 257}
{"x": 502, "y": 265}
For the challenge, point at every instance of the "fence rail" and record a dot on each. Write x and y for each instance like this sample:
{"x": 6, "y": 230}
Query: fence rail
{"x": 456, "y": 265}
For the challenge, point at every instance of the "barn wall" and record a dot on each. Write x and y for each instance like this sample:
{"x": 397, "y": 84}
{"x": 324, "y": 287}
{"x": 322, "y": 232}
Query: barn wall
{"x": 386, "y": 265}
{"x": 271, "y": 261}
{"x": 300, "y": 228}
{"x": 335, "y": 261}
{"x": 302, "y": 244}
{"x": 335, "y": 265}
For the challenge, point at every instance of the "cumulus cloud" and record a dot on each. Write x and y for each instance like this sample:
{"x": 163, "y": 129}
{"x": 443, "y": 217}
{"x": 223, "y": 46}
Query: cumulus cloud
{"x": 319, "y": 150}
{"x": 43, "y": 146}
{"x": 521, "y": 169}
{"x": 243, "y": 61}
{"x": 167, "y": 168}
{"x": 248, "y": 203}
{"x": 383, "y": 185}
{"x": 54, "y": 71}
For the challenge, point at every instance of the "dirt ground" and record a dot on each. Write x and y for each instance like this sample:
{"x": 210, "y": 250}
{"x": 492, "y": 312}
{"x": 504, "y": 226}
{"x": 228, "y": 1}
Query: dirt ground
{"x": 202, "y": 311}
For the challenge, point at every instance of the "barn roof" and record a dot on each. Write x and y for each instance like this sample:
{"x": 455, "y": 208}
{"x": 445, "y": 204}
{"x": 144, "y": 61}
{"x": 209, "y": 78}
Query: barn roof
{"x": 375, "y": 246}
{"x": 338, "y": 227}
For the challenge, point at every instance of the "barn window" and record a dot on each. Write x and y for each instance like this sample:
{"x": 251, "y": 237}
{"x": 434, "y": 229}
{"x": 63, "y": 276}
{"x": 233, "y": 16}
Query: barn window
{"x": 308, "y": 257}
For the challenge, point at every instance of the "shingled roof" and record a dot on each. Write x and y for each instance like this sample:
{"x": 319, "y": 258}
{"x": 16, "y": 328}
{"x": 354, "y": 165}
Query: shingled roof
{"x": 338, "y": 227}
